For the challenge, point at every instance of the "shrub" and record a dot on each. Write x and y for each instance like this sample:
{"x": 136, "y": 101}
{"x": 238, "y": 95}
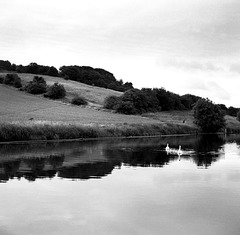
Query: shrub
{"x": 111, "y": 102}
{"x": 12, "y": 80}
{"x": 56, "y": 91}
{"x": 37, "y": 86}
{"x": 208, "y": 116}
{"x": 126, "y": 107}
{"x": 79, "y": 100}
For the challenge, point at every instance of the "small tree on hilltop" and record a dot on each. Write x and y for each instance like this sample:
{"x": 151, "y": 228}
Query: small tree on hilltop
{"x": 208, "y": 116}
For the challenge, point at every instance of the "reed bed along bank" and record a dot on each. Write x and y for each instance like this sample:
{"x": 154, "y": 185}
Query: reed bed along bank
{"x": 61, "y": 131}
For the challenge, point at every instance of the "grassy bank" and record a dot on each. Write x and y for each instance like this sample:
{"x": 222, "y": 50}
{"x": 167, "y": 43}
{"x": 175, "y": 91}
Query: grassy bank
{"x": 17, "y": 132}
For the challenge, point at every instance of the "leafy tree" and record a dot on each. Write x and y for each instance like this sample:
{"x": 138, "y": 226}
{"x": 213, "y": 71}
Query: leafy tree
{"x": 188, "y": 101}
{"x": 71, "y": 72}
{"x": 52, "y": 71}
{"x": 138, "y": 100}
{"x": 208, "y": 116}
{"x": 13, "y": 67}
{"x": 232, "y": 111}
{"x": 223, "y": 108}
{"x": 33, "y": 68}
{"x": 165, "y": 99}
{"x": 151, "y": 100}
{"x": 127, "y": 86}
{"x": 5, "y": 65}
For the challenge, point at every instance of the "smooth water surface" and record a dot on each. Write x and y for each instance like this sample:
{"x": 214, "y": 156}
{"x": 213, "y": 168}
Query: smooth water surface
{"x": 129, "y": 186}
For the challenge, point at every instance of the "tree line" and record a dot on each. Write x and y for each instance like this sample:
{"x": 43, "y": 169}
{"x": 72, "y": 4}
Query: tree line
{"x": 84, "y": 74}
{"x": 135, "y": 101}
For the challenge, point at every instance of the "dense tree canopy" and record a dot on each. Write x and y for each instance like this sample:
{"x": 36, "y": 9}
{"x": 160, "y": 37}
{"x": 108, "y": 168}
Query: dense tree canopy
{"x": 208, "y": 116}
{"x": 5, "y": 65}
{"x": 96, "y": 77}
{"x": 149, "y": 100}
{"x": 37, "y": 69}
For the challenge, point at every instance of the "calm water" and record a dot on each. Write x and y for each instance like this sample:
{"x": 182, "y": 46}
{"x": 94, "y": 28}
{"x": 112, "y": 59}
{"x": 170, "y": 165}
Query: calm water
{"x": 122, "y": 187}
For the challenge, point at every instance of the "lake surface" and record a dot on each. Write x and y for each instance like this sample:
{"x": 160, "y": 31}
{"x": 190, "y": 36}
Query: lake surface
{"x": 127, "y": 186}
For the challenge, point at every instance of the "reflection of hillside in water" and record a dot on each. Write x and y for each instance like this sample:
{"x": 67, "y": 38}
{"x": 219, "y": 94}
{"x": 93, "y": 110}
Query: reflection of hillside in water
{"x": 98, "y": 158}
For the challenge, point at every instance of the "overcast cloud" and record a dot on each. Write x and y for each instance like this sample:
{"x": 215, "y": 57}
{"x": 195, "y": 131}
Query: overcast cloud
{"x": 186, "y": 46}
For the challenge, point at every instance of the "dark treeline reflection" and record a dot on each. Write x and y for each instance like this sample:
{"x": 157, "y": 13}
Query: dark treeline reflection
{"x": 207, "y": 150}
{"x": 95, "y": 159}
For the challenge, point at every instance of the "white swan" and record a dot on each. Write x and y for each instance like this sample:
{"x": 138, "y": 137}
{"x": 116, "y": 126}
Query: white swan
{"x": 179, "y": 152}
{"x": 167, "y": 148}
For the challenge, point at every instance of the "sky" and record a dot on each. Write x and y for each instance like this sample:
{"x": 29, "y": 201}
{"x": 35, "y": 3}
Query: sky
{"x": 185, "y": 46}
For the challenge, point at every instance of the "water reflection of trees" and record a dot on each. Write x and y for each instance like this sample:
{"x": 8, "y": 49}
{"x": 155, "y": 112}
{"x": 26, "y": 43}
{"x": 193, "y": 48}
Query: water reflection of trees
{"x": 98, "y": 159}
{"x": 207, "y": 149}
{"x": 141, "y": 157}
{"x": 88, "y": 170}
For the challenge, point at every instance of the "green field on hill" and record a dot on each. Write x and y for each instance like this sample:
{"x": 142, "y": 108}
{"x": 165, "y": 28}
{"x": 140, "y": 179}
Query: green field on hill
{"x": 19, "y": 106}
{"x": 24, "y": 110}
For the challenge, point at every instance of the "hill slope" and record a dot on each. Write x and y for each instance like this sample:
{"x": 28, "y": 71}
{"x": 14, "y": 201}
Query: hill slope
{"x": 94, "y": 95}
{"x": 18, "y": 106}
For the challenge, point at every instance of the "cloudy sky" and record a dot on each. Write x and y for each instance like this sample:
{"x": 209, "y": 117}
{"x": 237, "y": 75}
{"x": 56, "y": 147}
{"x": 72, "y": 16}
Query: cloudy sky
{"x": 185, "y": 46}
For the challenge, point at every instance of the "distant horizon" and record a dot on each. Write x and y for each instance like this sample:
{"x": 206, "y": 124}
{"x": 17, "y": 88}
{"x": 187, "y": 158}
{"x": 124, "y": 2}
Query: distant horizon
{"x": 181, "y": 45}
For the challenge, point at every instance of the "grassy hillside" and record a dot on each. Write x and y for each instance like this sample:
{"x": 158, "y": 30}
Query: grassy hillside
{"x": 25, "y": 117}
{"x": 19, "y": 107}
{"x": 94, "y": 95}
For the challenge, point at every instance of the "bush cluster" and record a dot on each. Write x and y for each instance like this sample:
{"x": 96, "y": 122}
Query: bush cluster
{"x": 56, "y": 91}
{"x": 137, "y": 101}
{"x": 13, "y": 80}
{"x": 79, "y": 100}
{"x": 36, "y": 86}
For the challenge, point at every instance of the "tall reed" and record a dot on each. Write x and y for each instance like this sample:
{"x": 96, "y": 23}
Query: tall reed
{"x": 60, "y": 131}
